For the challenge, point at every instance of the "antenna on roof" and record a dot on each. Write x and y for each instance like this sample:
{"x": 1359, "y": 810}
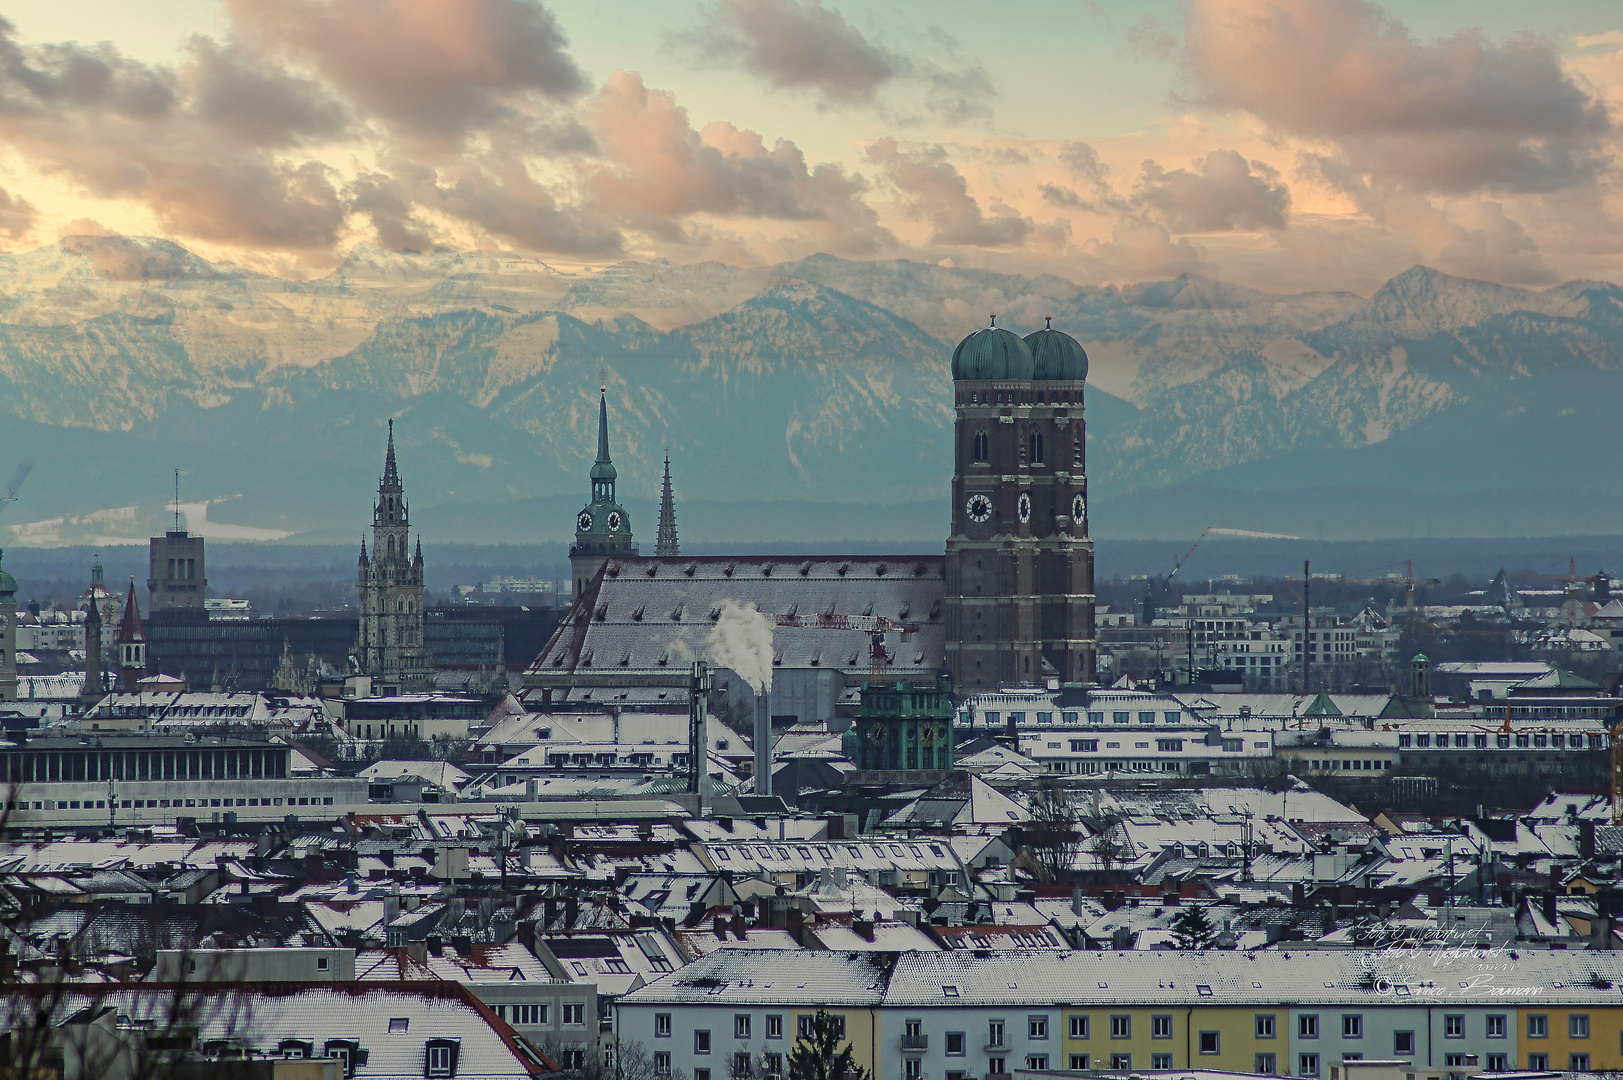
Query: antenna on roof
{"x": 177, "y": 500}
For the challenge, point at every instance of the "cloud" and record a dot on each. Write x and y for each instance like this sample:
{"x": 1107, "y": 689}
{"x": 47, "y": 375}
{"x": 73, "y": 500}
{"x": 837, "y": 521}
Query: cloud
{"x": 439, "y": 68}
{"x": 249, "y": 99}
{"x": 1224, "y": 193}
{"x": 933, "y": 190}
{"x": 1150, "y": 37}
{"x": 17, "y": 214}
{"x": 501, "y": 198}
{"x": 802, "y": 45}
{"x": 1456, "y": 114}
{"x": 659, "y": 168}
{"x": 121, "y": 129}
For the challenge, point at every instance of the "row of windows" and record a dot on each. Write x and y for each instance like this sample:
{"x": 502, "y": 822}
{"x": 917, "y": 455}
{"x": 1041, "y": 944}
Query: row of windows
{"x": 742, "y": 1029}
{"x": 153, "y": 804}
{"x": 1523, "y": 740}
{"x": 1122, "y": 716}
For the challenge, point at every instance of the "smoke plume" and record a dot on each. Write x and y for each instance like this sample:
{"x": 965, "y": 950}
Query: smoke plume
{"x": 741, "y": 641}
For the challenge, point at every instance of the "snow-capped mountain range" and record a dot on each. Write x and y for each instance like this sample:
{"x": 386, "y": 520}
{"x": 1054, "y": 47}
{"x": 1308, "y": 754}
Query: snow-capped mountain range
{"x": 820, "y": 381}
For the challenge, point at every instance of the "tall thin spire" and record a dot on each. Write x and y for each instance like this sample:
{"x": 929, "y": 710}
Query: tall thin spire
{"x": 603, "y": 427}
{"x": 665, "y": 545}
{"x": 391, "y": 475}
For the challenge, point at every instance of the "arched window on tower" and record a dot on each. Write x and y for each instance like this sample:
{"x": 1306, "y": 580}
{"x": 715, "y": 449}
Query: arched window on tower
{"x": 981, "y": 448}
{"x": 1036, "y": 447}
{"x": 391, "y": 547}
{"x": 1076, "y": 448}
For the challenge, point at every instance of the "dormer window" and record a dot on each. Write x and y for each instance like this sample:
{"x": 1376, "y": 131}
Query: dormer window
{"x": 294, "y": 1049}
{"x": 440, "y": 1058}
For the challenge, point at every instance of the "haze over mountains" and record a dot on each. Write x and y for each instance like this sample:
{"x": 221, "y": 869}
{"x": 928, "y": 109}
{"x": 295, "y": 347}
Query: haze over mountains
{"x": 1437, "y": 406}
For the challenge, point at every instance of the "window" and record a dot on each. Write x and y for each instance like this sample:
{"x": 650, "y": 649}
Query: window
{"x": 803, "y": 1025}
{"x": 1578, "y": 1026}
{"x": 1454, "y": 1061}
{"x": 701, "y": 1042}
{"x": 1045, "y": 718}
{"x": 531, "y": 1015}
{"x": 1168, "y": 745}
{"x": 1497, "y": 1026}
{"x": 774, "y": 1027}
{"x": 1122, "y": 717}
{"x": 955, "y": 1043}
{"x": 995, "y": 1064}
{"x": 1161, "y": 1027}
{"x": 1121, "y": 1062}
{"x": 662, "y": 1025}
{"x": 1352, "y": 1025}
{"x": 980, "y": 445}
{"x": 994, "y": 1034}
{"x": 1578, "y": 1063}
{"x": 1036, "y": 447}
{"x": 1307, "y": 1026}
{"x": 741, "y": 1026}
{"x": 1121, "y": 1027}
{"x": 662, "y": 1063}
{"x": 741, "y": 1065}
{"x": 1265, "y": 1025}
{"x": 1498, "y": 1062}
{"x": 399, "y": 1025}
{"x": 1538, "y": 1062}
{"x": 574, "y": 1012}
{"x": 1209, "y": 1042}
{"x": 441, "y": 1057}
{"x": 772, "y": 1064}
{"x": 1538, "y": 1026}
{"x": 321, "y": 963}
{"x": 1267, "y": 1065}
{"x": 1037, "y": 1027}
{"x": 1172, "y": 718}
{"x": 701, "y": 1074}
{"x": 1096, "y": 717}
{"x": 1307, "y": 1065}
{"x": 1146, "y": 718}
{"x": 1403, "y": 1042}
{"x": 1453, "y": 1026}
{"x": 1079, "y": 1062}
{"x": 1160, "y": 1061}
{"x": 1079, "y": 1027}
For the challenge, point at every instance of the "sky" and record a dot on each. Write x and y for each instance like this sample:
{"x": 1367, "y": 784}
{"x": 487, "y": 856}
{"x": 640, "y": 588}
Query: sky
{"x": 1292, "y": 145}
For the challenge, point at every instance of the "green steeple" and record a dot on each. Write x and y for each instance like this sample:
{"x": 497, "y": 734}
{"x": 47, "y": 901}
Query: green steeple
{"x": 604, "y": 468}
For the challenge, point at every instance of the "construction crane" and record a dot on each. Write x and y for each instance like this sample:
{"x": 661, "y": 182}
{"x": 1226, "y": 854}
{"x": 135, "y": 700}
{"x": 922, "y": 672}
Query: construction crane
{"x": 875, "y": 626}
{"x": 1157, "y": 585}
{"x": 9, "y": 495}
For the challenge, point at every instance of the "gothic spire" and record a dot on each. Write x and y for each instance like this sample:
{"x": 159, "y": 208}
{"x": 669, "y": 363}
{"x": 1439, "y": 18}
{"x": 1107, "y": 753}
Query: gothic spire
{"x": 391, "y": 475}
{"x": 603, "y": 470}
{"x": 603, "y": 427}
{"x": 666, "y": 546}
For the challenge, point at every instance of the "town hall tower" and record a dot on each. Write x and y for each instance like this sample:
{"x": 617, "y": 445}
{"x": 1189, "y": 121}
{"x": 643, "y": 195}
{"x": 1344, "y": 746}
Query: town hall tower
{"x": 389, "y": 645}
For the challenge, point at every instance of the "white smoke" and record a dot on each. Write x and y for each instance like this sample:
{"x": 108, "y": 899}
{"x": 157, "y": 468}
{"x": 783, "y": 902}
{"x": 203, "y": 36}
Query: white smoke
{"x": 741, "y": 641}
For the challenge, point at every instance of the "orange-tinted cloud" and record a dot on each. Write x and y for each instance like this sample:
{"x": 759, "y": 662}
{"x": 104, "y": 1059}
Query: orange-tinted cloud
{"x": 1224, "y": 192}
{"x": 431, "y": 67}
{"x": 934, "y": 190}
{"x": 1458, "y": 114}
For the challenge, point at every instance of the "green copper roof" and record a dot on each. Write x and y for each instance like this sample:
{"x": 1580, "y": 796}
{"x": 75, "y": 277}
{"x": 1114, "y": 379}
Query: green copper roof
{"x": 604, "y": 468}
{"x": 993, "y": 353}
{"x": 8, "y": 584}
{"x": 1321, "y": 706}
{"x": 1057, "y": 356}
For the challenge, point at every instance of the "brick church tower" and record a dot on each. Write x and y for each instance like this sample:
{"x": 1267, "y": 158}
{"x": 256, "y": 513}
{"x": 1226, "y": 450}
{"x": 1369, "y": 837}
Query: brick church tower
{"x": 389, "y": 644}
{"x": 1019, "y": 563}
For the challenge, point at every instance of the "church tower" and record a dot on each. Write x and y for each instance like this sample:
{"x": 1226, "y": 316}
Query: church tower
{"x": 389, "y": 644}
{"x": 132, "y": 646}
{"x": 603, "y": 528}
{"x": 95, "y": 687}
{"x": 1019, "y": 563}
{"x": 8, "y": 637}
{"x": 667, "y": 547}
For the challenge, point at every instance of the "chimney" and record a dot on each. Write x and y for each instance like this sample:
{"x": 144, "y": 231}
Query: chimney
{"x": 836, "y": 826}
{"x": 1298, "y": 894}
{"x": 763, "y": 745}
{"x": 1077, "y": 907}
{"x": 1549, "y": 908}
{"x": 863, "y": 928}
{"x": 719, "y": 925}
{"x": 1586, "y": 839}
{"x": 740, "y": 931}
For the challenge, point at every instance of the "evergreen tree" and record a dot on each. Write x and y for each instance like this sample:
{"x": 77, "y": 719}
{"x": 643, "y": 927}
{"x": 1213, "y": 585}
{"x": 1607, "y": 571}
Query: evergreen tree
{"x": 1192, "y": 929}
{"x": 818, "y": 1054}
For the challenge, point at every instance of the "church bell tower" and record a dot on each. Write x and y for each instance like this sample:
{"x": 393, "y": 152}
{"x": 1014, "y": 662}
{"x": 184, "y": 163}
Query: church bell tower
{"x": 602, "y": 528}
{"x": 1019, "y": 569}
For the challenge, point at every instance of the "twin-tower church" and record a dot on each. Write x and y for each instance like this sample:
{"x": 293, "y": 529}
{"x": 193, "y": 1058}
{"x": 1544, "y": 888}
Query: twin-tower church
{"x": 1010, "y": 603}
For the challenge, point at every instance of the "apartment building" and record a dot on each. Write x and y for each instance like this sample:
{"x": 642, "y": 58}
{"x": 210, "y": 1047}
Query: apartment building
{"x": 971, "y": 1013}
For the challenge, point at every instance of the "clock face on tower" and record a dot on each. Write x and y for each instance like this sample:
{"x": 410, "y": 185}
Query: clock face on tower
{"x": 1023, "y": 507}
{"x": 584, "y": 522}
{"x": 1079, "y": 508}
{"x": 979, "y": 508}
{"x": 614, "y": 521}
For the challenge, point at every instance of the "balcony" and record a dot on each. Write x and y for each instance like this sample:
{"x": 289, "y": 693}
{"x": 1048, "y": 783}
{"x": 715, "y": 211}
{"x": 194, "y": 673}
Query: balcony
{"x": 915, "y": 1042}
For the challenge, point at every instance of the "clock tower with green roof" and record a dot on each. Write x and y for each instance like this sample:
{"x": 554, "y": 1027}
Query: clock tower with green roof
{"x": 602, "y": 528}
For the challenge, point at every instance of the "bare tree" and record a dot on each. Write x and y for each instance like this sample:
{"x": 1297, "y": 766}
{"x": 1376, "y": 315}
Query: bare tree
{"x": 1053, "y": 837}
